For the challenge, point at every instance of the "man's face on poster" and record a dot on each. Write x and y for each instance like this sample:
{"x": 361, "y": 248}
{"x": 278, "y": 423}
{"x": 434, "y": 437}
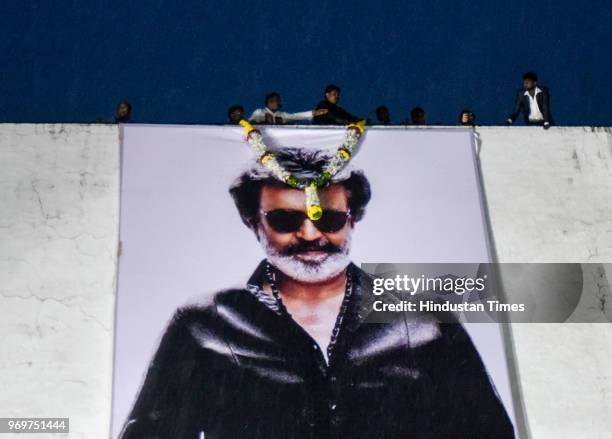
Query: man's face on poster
{"x": 305, "y": 250}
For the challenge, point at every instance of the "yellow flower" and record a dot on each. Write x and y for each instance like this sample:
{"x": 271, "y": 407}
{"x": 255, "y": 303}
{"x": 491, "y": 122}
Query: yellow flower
{"x": 344, "y": 154}
{"x": 359, "y": 125}
{"x": 314, "y": 212}
{"x": 247, "y": 126}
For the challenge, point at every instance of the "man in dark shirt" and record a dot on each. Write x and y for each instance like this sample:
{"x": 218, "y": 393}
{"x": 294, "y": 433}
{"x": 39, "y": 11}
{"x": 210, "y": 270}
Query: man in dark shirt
{"x": 533, "y": 101}
{"x": 123, "y": 113}
{"x": 383, "y": 116}
{"x": 467, "y": 118}
{"x": 335, "y": 115}
{"x": 235, "y": 114}
{"x": 417, "y": 116}
{"x": 292, "y": 355}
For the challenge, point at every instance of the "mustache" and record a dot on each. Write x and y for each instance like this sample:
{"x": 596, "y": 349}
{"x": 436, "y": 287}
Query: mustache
{"x": 307, "y": 246}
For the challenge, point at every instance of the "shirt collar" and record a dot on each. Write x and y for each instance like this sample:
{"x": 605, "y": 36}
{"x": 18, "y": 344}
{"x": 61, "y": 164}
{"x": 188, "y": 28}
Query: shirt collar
{"x": 537, "y": 90}
{"x": 255, "y": 287}
{"x": 360, "y": 280}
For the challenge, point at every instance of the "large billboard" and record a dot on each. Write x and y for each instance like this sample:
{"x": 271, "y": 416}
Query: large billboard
{"x": 237, "y": 313}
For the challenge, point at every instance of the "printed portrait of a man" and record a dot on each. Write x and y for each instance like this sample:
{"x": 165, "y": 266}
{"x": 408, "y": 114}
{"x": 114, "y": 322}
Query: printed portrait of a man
{"x": 291, "y": 355}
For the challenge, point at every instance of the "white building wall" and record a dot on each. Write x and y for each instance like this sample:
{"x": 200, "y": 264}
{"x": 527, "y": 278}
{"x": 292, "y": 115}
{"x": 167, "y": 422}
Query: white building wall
{"x": 550, "y": 200}
{"x": 549, "y": 195}
{"x": 59, "y": 206}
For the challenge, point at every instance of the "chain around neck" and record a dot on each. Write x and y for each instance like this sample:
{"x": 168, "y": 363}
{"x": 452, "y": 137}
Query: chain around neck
{"x": 271, "y": 277}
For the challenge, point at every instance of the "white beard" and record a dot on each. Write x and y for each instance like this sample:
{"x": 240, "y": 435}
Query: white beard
{"x": 307, "y": 270}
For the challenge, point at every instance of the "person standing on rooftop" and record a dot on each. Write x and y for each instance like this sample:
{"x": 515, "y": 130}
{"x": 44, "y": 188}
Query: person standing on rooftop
{"x": 533, "y": 101}
{"x": 335, "y": 115}
{"x": 271, "y": 114}
{"x": 383, "y": 116}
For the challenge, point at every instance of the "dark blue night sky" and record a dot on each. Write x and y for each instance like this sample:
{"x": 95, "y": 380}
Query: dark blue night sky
{"x": 187, "y": 61}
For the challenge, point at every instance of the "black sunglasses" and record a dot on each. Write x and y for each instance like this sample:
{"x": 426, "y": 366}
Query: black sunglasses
{"x": 290, "y": 221}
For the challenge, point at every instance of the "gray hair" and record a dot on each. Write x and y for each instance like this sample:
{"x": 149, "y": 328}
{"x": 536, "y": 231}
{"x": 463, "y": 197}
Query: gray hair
{"x": 303, "y": 164}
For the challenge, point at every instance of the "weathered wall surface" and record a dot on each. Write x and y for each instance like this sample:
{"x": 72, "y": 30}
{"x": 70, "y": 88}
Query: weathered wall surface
{"x": 550, "y": 199}
{"x": 549, "y": 195}
{"x": 59, "y": 205}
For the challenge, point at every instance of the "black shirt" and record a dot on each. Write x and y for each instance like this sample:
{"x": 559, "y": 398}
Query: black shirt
{"x": 335, "y": 116}
{"x": 241, "y": 367}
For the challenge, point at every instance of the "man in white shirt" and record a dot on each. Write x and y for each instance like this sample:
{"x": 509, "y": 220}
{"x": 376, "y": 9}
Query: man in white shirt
{"x": 533, "y": 101}
{"x": 271, "y": 114}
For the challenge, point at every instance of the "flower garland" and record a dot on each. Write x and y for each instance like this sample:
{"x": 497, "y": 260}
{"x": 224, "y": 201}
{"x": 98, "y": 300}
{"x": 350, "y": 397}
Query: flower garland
{"x": 310, "y": 186}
